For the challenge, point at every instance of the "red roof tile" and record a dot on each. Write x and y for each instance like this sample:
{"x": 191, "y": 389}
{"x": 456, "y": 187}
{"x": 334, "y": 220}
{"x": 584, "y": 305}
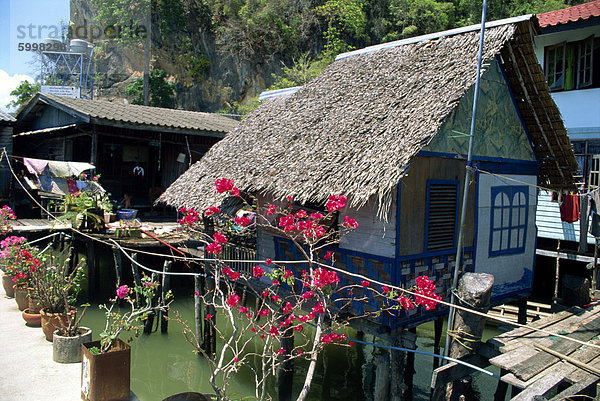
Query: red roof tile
{"x": 571, "y": 14}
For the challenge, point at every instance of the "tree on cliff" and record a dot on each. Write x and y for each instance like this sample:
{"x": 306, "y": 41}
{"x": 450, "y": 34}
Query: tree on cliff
{"x": 160, "y": 90}
{"x": 25, "y": 91}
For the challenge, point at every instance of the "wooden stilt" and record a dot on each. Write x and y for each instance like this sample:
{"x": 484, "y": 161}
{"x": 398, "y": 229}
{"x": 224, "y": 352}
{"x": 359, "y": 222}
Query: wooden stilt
{"x": 210, "y": 333}
{"x": 382, "y": 377}
{"x": 286, "y": 372}
{"x": 166, "y": 286}
{"x": 502, "y": 387}
{"x": 150, "y": 321}
{"x": 198, "y": 290}
{"x": 522, "y": 314}
{"x": 136, "y": 273}
{"x": 92, "y": 270}
{"x": 437, "y": 338}
{"x": 118, "y": 264}
{"x": 409, "y": 370}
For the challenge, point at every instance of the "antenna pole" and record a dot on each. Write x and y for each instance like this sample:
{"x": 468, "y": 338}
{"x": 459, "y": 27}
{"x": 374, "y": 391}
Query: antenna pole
{"x": 463, "y": 212}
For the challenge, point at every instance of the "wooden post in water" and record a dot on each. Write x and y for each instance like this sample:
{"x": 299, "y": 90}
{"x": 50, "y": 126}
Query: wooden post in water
{"x": 382, "y": 377}
{"x": 92, "y": 270}
{"x": 136, "y": 273}
{"x": 437, "y": 338}
{"x": 286, "y": 371}
{"x": 150, "y": 321}
{"x": 118, "y": 264}
{"x": 210, "y": 332}
{"x": 198, "y": 291}
{"x": 166, "y": 286}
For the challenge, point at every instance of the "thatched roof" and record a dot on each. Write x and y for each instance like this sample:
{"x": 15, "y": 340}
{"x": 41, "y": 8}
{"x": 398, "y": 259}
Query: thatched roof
{"x": 354, "y": 129}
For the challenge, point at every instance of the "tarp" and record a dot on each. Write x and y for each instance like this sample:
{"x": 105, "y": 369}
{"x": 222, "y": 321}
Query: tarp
{"x": 56, "y": 168}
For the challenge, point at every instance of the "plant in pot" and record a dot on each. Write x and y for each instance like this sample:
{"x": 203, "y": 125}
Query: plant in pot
{"x": 105, "y": 369}
{"x": 67, "y": 340}
{"x": 86, "y": 210}
{"x": 56, "y": 287}
{"x": 7, "y": 216}
{"x": 18, "y": 260}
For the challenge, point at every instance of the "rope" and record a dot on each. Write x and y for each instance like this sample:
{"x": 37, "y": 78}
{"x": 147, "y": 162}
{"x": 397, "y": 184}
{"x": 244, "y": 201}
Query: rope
{"x": 355, "y": 275}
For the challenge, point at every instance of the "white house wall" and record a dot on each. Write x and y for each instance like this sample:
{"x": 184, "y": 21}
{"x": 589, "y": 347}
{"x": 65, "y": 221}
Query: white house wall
{"x": 373, "y": 236}
{"x": 550, "y": 225}
{"x": 513, "y": 273}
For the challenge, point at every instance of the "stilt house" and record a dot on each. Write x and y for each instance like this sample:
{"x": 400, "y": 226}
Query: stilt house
{"x": 388, "y": 127}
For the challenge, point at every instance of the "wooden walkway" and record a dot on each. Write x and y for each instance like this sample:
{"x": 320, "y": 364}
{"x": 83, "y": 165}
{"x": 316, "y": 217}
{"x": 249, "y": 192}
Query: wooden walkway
{"x": 537, "y": 372}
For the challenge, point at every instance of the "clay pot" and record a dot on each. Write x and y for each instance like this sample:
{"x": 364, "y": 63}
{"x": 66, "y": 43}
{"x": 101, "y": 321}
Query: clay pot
{"x": 52, "y": 322}
{"x": 7, "y": 284}
{"x": 32, "y": 319}
{"x": 68, "y": 349}
{"x": 21, "y": 297}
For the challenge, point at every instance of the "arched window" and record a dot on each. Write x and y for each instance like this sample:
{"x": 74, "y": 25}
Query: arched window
{"x": 508, "y": 220}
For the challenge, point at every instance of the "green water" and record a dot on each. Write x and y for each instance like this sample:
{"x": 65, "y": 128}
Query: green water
{"x": 164, "y": 364}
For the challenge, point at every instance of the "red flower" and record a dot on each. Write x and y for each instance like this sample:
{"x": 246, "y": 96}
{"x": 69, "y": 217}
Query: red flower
{"x": 212, "y": 210}
{"x": 223, "y": 185}
{"x": 385, "y": 289}
{"x": 287, "y": 308}
{"x": 287, "y": 274}
{"x": 316, "y": 216}
{"x": 350, "y": 222}
{"x": 327, "y": 255}
{"x": 214, "y": 247}
{"x": 268, "y": 261}
{"x": 233, "y": 300}
{"x": 220, "y": 238}
{"x": 300, "y": 214}
{"x": 271, "y": 210}
{"x": 405, "y": 302}
{"x": 365, "y": 283}
{"x": 235, "y": 191}
{"x": 122, "y": 291}
{"x": 275, "y": 282}
{"x": 336, "y": 202}
{"x": 324, "y": 277}
{"x": 319, "y": 308}
{"x": 257, "y": 271}
{"x": 242, "y": 221}
{"x": 307, "y": 295}
{"x": 208, "y": 316}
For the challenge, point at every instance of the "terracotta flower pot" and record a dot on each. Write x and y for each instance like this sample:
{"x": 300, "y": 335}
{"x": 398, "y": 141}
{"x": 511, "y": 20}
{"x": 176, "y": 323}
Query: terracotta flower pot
{"x": 7, "y": 284}
{"x": 105, "y": 376}
{"x": 34, "y": 305}
{"x": 68, "y": 349}
{"x": 21, "y": 297}
{"x": 32, "y": 319}
{"x": 53, "y": 321}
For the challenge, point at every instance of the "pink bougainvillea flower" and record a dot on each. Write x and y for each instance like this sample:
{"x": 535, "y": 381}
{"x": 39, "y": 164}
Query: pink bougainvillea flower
{"x": 299, "y": 328}
{"x": 275, "y": 298}
{"x": 234, "y": 275}
{"x": 285, "y": 221}
{"x": 287, "y": 274}
{"x": 122, "y": 291}
{"x": 265, "y": 293}
{"x": 319, "y": 231}
{"x": 253, "y": 329}
{"x": 243, "y": 309}
{"x": 236, "y": 360}
{"x": 385, "y": 289}
{"x": 316, "y": 216}
{"x": 275, "y": 282}
{"x": 268, "y": 261}
{"x": 274, "y": 330}
{"x": 323, "y": 277}
{"x": 405, "y": 302}
{"x": 220, "y": 238}
{"x": 365, "y": 283}
{"x": 242, "y": 221}
{"x": 223, "y": 185}
{"x": 212, "y": 210}
{"x": 263, "y": 312}
{"x": 327, "y": 255}
{"x": 208, "y": 316}
{"x": 271, "y": 210}
{"x": 300, "y": 214}
{"x": 336, "y": 202}
{"x": 258, "y": 271}
{"x": 233, "y": 300}
{"x": 235, "y": 192}
{"x": 287, "y": 308}
{"x": 307, "y": 295}
{"x": 349, "y": 222}
{"x": 214, "y": 247}
{"x": 281, "y": 351}
{"x": 290, "y": 199}
{"x": 196, "y": 293}
{"x": 319, "y": 308}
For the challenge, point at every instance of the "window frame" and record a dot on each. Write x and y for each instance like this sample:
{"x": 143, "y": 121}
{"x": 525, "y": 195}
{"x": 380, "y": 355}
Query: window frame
{"x": 547, "y": 51}
{"x": 511, "y": 228}
{"x": 582, "y": 59}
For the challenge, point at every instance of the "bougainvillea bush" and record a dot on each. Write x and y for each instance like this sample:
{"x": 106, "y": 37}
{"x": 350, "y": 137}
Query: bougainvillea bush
{"x": 7, "y": 216}
{"x": 18, "y": 259}
{"x": 293, "y": 295}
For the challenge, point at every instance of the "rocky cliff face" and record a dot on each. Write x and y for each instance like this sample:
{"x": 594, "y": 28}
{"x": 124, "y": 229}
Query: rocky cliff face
{"x": 225, "y": 79}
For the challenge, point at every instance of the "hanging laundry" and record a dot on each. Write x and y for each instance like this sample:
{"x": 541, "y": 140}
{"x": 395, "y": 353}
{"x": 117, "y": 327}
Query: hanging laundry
{"x": 72, "y": 185}
{"x": 594, "y": 217}
{"x": 569, "y": 208}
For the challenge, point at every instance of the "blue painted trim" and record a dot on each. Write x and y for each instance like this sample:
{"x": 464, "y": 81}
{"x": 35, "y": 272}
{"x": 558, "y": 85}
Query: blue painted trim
{"x": 510, "y": 192}
{"x": 512, "y": 97}
{"x": 428, "y": 153}
{"x": 441, "y": 182}
{"x": 365, "y": 255}
{"x": 509, "y": 168}
{"x": 449, "y": 252}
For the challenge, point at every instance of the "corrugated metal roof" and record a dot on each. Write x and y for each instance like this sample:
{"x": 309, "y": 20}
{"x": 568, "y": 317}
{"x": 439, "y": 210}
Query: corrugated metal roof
{"x": 571, "y": 14}
{"x": 6, "y": 117}
{"x": 144, "y": 115}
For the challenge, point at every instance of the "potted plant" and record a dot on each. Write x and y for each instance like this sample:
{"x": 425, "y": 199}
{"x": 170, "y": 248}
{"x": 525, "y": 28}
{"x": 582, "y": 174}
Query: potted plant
{"x": 18, "y": 260}
{"x": 56, "y": 287}
{"x": 105, "y": 368}
{"x": 86, "y": 210}
{"x": 66, "y": 342}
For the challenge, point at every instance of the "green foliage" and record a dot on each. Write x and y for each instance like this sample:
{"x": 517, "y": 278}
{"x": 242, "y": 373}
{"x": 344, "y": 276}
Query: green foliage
{"x": 23, "y": 93}
{"x": 130, "y": 19}
{"x": 418, "y": 17}
{"x": 239, "y": 108}
{"x": 196, "y": 66}
{"x": 302, "y": 71}
{"x": 161, "y": 91}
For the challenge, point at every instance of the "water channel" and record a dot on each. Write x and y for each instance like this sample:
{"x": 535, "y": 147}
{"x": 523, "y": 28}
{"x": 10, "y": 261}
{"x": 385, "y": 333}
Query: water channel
{"x": 164, "y": 364}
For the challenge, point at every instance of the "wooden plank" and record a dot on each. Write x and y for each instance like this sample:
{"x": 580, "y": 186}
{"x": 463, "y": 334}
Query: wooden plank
{"x": 565, "y": 255}
{"x": 510, "y": 359}
{"x": 579, "y": 374}
{"x": 576, "y": 388}
{"x": 535, "y": 364}
{"x": 541, "y": 386}
{"x": 522, "y": 336}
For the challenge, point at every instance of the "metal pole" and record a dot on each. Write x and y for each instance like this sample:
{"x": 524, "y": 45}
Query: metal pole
{"x": 463, "y": 212}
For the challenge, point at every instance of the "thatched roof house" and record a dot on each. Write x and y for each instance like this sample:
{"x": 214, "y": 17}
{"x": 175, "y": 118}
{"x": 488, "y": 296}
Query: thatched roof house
{"x": 386, "y": 127}
{"x": 356, "y": 127}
